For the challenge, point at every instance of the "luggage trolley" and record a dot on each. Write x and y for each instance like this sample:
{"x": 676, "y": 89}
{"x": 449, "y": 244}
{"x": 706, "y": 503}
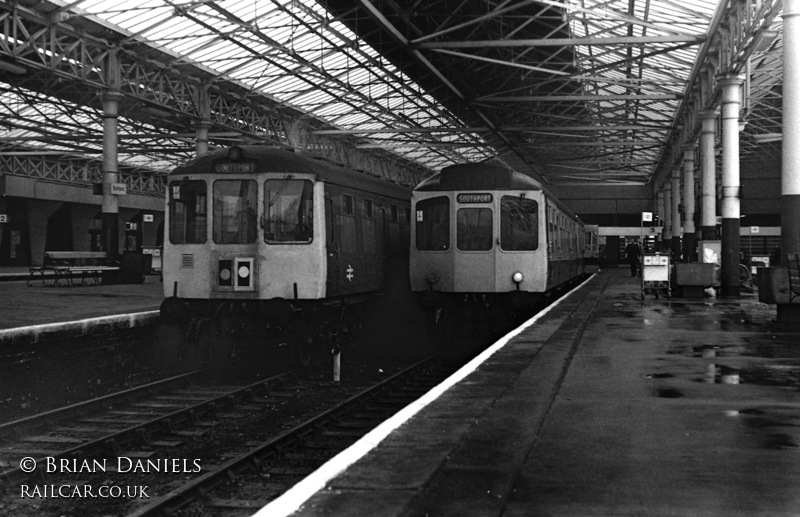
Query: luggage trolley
{"x": 655, "y": 274}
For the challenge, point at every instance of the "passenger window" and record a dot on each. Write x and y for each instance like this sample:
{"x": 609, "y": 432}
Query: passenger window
{"x": 433, "y": 224}
{"x": 188, "y": 215}
{"x": 235, "y": 216}
{"x": 519, "y": 224}
{"x": 474, "y": 229}
{"x": 347, "y": 205}
{"x": 369, "y": 208}
{"x": 289, "y": 211}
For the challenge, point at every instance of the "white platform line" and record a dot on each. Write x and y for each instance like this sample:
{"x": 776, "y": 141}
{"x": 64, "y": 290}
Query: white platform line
{"x": 130, "y": 320}
{"x": 292, "y": 499}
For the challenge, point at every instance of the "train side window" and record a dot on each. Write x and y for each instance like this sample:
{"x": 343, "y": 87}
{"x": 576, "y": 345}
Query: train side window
{"x": 235, "y": 216}
{"x": 519, "y": 224}
{"x": 433, "y": 224}
{"x": 474, "y": 229}
{"x": 369, "y": 208}
{"x": 188, "y": 214}
{"x": 289, "y": 214}
{"x": 348, "y": 205}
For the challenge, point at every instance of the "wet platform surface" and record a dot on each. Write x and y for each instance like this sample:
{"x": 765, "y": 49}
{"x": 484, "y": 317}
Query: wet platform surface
{"x": 607, "y": 405}
{"x": 36, "y": 304}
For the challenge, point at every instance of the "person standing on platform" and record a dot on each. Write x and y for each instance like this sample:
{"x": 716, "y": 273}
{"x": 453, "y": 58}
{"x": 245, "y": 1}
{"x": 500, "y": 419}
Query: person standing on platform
{"x": 633, "y": 252}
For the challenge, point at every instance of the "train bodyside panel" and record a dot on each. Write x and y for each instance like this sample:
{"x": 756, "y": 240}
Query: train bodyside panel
{"x": 185, "y": 269}
{"x": 564, "y": 243}
{"x": 296, "y": 270}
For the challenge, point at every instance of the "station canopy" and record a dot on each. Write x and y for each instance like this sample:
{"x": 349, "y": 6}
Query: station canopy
{"x": 569, "y": 91}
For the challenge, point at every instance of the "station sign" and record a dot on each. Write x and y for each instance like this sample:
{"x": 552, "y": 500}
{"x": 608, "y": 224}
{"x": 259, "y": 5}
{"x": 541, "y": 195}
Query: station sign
{"x": 474, "y": 198}
{"x": 647, "y": 217}
{"x": 118, "y": 189}
{"x": 147, "y": 218}
{"x": 3, "y": 218}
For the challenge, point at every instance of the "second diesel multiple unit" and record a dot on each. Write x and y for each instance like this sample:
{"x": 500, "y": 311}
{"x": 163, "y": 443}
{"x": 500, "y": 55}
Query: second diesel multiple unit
{"x": 492, "y": 237}
{"x": 278, "y": 236}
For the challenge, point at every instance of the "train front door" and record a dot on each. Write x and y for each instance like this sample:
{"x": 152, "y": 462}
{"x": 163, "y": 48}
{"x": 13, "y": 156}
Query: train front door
{"x": 474, "y": 261}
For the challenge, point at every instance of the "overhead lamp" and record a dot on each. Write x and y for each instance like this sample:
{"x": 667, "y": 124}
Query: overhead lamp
{"x": 765, "y": 138}
{"x": 11, "y": 67}
{"x": 764, "y": 39}
{"x": 156, "y": 112}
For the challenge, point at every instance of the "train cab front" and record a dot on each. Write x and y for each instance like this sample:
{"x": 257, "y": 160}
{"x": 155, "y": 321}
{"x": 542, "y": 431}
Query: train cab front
{"x": 241, "y": 230}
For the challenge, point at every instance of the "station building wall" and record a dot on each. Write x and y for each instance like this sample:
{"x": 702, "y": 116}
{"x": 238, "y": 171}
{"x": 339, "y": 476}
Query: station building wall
{"x": 49, "y": 216}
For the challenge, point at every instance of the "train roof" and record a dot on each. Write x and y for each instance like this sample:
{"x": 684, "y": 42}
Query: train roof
{"x": 276, "y": 159}
{"x": 478, "y": 176}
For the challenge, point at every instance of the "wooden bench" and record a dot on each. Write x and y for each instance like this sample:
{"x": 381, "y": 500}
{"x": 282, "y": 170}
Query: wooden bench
{"x": 71, "y": 265}
{"x": 794, "y": 275}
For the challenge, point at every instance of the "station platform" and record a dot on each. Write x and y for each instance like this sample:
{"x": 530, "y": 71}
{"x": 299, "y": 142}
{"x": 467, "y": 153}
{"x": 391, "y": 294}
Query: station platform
{"x": 37, "y": 304}
{"x": 604, "y": 405}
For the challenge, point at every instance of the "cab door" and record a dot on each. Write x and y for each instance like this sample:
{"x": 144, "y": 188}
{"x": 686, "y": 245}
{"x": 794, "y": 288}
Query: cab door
{"x": 333, "y": 248}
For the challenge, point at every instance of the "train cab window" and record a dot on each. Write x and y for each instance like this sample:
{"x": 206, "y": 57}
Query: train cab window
{"x": 235, "y": 215}
{"x": 474, "y": 229}
{"x": 433, "y": 224}
{"x": 188, "y": 214}
{"x": 519, "y": 224}
{"x": 289, "y": 211}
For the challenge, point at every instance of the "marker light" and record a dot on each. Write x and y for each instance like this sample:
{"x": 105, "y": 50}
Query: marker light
{"x": 235, "y": 153}
{"x": 517, "y": 277}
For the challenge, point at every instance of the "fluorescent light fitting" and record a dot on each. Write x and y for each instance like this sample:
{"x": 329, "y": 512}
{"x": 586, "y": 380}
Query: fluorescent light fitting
{"x": 11, "y": 67}
{"x": 765, "y": 138}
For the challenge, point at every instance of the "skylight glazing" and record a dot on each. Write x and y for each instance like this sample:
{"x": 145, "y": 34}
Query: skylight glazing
{"x": 291, "y": 51}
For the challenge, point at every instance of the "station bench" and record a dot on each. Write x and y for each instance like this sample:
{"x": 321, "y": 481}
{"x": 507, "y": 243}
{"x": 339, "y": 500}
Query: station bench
{"x": 68, "y": 266}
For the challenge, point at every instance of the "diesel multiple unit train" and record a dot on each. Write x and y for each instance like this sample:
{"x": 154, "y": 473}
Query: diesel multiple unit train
{"x": 278, "y": 237}
{"x": 290, "y": 241}
{"x": 489, "y": 240}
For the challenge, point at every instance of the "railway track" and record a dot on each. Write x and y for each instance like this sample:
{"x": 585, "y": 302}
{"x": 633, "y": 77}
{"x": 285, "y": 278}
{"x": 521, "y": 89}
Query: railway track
{"x": 259, "y": 474}
{"x": 221, "y": 433}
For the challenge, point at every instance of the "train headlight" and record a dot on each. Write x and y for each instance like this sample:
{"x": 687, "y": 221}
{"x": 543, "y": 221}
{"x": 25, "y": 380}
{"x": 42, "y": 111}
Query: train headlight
{"x": 517, "y": 278}
{"x": 432, "y": 277}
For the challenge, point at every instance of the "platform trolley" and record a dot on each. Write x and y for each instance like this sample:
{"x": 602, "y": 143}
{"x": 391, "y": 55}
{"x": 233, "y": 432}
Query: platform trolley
{"x": 655, "y": 274}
